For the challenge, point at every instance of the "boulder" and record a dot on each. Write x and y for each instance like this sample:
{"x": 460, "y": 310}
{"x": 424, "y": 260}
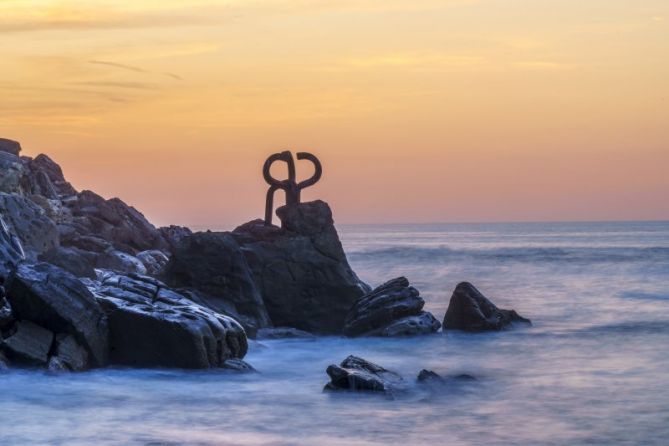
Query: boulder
{"x": 173, "y": 235}
{"x": 238, "y": 365}
{"x": 213, "y": 264}
{"x": 11, "y": 250}
{"x": 151, "y": 325}
{"x": 29, "y": 344}
{"x": 120, "y": 262}
{"x": 357, "y": 374}
{"x": 9, "y": 146}
{"x": 43, "y": 165}
{"x": 74, "y": 260}
{"x": 12, "y": 173}
{"x": 35, "y": 230}
{"x": 300, "y": 269}
{"x": 70, "y": 355}
{"x": 154, "y": 261}
{"x": 469, "y": 310}
{"x": 393, "y": 309}
{"x": 55, "y": 299}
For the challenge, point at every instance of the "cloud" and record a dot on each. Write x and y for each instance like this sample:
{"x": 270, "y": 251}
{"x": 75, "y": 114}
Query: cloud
{"x": 132, "y": 68}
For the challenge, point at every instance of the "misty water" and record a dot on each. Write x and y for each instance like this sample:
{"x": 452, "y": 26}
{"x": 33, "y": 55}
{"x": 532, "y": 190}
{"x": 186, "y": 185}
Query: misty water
{"x": 593, "y": 369}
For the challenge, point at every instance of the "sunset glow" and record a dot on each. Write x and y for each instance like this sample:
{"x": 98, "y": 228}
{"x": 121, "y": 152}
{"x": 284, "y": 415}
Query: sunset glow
{"x": 420, "y": 110}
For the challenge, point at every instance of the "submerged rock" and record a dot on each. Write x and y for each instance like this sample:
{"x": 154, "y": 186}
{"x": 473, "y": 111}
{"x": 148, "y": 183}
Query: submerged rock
{"x": 469, "y": 310}
{"x": 151, "y": 325}
{"x": 29, "y": 344}
{"x": 357, "y": 374}
{"x": 393, "y": 309}
{"x": 301, "y": 269}
{"x": 56, "y": 300}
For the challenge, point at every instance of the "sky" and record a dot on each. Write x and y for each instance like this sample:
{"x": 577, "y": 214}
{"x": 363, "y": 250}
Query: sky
{"x": 420, "y": 110}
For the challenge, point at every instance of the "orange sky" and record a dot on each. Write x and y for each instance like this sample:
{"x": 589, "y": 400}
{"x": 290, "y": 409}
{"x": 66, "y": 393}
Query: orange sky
{"x": 421, "y": 110}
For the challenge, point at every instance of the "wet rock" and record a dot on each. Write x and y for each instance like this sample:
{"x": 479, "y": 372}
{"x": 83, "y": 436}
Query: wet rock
{"x": 152, "y": 325}
{"x": 55, "y": 299}
{"x": 238, "y": 365}
{"x": 469, "y": 310}
{"x": 301, "y": 269}
{"x": 4, "y": 362}
{"x": 283, "y": 333}
{"x": 120, "y": 262}
{"x": 29, "y": 344}
{"x": 429, "y": 375}
{"x": 393, "y": 309}
{"x": 212, "y": 263}
{"x": 9, "y": 146}
{"x": 70, "y": 354}
{"x": 11, "y": 250}
{"x": 56, "y": 365}
{"x": 28, "y": 222}
{"x": 357, "y": 374}
{"x": 154, "y": 261}
{"x": 74, "y": 260}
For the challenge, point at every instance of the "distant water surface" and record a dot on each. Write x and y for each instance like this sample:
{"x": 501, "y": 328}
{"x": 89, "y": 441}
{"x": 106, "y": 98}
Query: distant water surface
{"x": 593, "y": 370}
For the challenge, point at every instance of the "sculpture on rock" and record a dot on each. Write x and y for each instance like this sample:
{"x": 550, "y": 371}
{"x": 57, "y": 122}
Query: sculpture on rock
{"x": 290, "y": 186}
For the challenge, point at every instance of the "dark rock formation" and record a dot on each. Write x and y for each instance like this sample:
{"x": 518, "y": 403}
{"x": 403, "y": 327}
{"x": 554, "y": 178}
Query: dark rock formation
{"x": 29, "y": 344}
{"x": 120, "y": 262}
{"x": 173, "y": 235}
{"x": 58, "y": 301}
{"x": 154, "y": 261}
{"x": 283, "y": 333}
{"x": 9, "y": 146}
{"x": 357, "y": 374}
{"x": 213, "y": 264}
{"x": 37, "y": 232}
{"x": 301, "y": 269}
{"x": 74, "y": 260}
{"x": 238, "y": 365}
{"x": 54, "y": 173}
{"x": 469, "y": 310}
{"x": 69, "y": 354}
{"x": 151, "y": 325}
{"x": 11, "y": 251}
{"x": 393, "y": 309}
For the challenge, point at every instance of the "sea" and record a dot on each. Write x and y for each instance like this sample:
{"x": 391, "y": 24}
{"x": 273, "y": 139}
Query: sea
{"x": 593, "y": 369}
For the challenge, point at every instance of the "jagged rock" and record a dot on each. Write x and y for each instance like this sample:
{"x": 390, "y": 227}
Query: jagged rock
{"x": 55, "y": 299}
{"x": 154, "y": 261}
{"x": 74, "y": 260}
{"x": 86, "y": 242}
{"x": 70, "y": 354}
{"x": 430, "y": 377}
{"x": 238, "y": 365}
{"x": 11, "y": 251}
{"x": 120, "y": 262}
{"x": 283, "y": 333}
{"x": 9, "y": 146}
{"x": 357, "y": 374}
{"x": 393, "y": 309}
{"x": 469, "y": 310}
{"x": 301, "y": 269}
{"x": 42, "y": 163}
{"x": 28, "y": 221}
{"x": 151, "y": 325}
{"x": 213, "y": 264}
{"x": 173, "y": 235}
{"x": 12, "y": 173}
{"x": 29, "y": 344}
{"x": 114, "y": 221}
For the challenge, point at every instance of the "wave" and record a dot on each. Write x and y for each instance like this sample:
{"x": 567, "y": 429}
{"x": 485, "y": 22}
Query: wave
{"x": 524, "y": 254}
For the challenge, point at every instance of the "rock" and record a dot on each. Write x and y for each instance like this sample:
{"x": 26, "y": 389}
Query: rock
{"x": 120, "y": 262}
{"x": 70, "y": 354}
{"x": 393, "y": 309}
{"x": 114, "y": 221}
{"x": 11, "y": 250}
{"x": 283, "y": 333}
{"x": 173, "y": 235}
{"x": 86, "y": 242}
{"x": 469, "y": 310}
{"x": 42, "y": 163}
{"x": 4, "y": 362}
{"x": 6, "y": 313}
{"x": 357, "y": 374}
{"x": 30, "y": 344}
{"x": 213, "y": 264}
{"x": 154, "y": 261}
{"x": 151, "y": 325}
{"x": 74, "y": 260}
{"x": 55, "y": 299}
{"x": 12, "y": 173}
{"x": 429, "y": 375}
{"x": 56, "y": 365}
{"x": 301, "y": 270}
{"x": 9, "y": 146}
{"x": 35, "y": 230}
{"x": 238, "y": 365}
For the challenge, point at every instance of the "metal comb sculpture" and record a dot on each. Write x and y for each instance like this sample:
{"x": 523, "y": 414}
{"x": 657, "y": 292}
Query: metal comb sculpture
{"x": 290, "y": 186}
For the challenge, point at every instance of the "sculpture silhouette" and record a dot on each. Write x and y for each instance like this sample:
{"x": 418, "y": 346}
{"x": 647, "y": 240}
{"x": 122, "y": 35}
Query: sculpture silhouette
{"x": 290, "y": 186}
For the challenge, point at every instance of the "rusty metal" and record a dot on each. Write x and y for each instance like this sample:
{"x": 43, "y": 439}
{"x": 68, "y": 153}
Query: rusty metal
{"x": 290, "y": 186}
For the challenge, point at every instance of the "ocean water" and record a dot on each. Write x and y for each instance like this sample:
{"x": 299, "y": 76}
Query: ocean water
{"x": 592, "y": 370}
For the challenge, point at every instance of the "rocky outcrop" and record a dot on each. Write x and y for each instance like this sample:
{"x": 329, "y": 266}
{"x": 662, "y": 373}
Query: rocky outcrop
{"x": 73, "y": 260}
{"x": 154, "y": 261}
{"x": 11, "y": 250}
{"x": 151, "y": 325}
{"x": 469, "y": 310}
{"x": 37, "y": 232}
{"x": 43, "y": 165}
{"x": 173, "y": 235}
{"x": 213, "y": 264}
{"x": 300, "y": 269}
{"x": 393, "y": 309}
{"x": 9, "y": 146}
{"x": 57, "y": 301}
{"x": 357, "y": 374}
